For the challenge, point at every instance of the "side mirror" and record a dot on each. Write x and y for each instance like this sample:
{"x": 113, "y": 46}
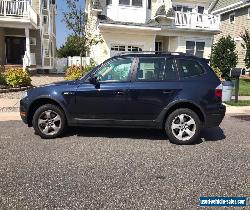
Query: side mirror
{"x": 93, "y": 80}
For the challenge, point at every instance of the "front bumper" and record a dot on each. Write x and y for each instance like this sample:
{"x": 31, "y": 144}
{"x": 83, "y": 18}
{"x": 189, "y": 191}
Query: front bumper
{"x": 215, "y": 116}
{"x": 24, "y": 110}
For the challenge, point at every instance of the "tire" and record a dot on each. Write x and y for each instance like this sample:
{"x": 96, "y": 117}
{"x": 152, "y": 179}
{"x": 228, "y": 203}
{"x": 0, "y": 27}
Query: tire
{"x": 49, "y": 121}
{"x": 183, "y": 127}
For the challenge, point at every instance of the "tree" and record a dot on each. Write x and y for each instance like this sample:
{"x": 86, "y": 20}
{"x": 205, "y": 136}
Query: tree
{"x": 70, "y": 48}
{"x": 224, "y": 56}
{"x": 76, "y": 21}
{"x": 246, "y": 38}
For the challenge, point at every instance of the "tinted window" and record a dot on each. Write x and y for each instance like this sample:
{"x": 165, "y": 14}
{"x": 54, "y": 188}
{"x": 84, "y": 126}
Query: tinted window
{"x": 155, "y": 69}
{"x": 116, "y": 70}
{"x": 189, "y": 68}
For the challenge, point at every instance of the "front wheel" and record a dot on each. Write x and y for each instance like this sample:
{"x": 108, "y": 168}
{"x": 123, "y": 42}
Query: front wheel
{"x": 183, "y": 126}
{"x": 49, "y": 121}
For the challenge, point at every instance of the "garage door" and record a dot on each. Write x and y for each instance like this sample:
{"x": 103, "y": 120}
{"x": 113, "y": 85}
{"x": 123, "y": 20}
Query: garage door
{"x": 118, "y": 49}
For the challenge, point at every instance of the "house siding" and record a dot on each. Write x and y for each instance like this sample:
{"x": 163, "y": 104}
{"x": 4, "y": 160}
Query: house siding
{"x": 242, "y": 22}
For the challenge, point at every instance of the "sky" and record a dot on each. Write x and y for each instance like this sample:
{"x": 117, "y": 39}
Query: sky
{"x": 61, "y": 31}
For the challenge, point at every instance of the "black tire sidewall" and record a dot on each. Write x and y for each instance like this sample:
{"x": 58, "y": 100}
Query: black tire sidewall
{"x": 41, "y": 110}
{"x": 170, "y": 119}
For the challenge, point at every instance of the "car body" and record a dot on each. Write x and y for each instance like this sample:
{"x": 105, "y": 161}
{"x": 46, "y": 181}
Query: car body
{"x": 150, "y": 86}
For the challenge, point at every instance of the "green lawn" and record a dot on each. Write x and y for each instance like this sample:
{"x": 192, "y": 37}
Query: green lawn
{"x": 240, "y": 103}
{"x": 244, "y": 87}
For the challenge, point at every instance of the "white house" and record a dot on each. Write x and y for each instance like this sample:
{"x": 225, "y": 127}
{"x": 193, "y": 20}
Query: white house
{"x": 151, "y": 25}
{"x": 27, "y": 33}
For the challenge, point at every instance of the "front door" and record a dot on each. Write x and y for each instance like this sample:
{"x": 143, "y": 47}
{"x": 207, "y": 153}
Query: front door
{"x": 15, "y": 49}
{"x": 107, "y": 99}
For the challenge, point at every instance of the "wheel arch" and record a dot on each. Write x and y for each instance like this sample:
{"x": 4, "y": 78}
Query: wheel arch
{"x": 40, "y": 102}
{"x": 182, "y": 104}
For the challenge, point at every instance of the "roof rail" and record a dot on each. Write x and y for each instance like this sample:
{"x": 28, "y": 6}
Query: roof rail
{"x": 151, "y": 52}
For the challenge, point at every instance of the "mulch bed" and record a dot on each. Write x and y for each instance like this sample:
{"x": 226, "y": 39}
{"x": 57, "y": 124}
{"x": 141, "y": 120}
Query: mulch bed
{"x": 6, "y": 89}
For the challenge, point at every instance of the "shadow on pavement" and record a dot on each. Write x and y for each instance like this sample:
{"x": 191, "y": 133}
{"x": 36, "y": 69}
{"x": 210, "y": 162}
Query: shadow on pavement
{"x": 208, "y": 134}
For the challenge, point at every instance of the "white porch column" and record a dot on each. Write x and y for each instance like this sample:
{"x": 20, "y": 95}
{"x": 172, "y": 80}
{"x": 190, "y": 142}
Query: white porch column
{"x": 26, "y": 60}
{"x": 27, "y": 35}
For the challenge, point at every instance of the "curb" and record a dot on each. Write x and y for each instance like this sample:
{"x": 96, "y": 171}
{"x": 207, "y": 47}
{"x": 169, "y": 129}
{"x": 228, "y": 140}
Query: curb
{"x": 8, "y": 90}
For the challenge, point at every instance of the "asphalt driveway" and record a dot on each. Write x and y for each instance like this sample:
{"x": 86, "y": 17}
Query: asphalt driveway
{"x": 101, "y": 168}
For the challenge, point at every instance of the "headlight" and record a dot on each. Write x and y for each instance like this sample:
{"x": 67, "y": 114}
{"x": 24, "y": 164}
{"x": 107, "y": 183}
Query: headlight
{"x": 25, "y": 94}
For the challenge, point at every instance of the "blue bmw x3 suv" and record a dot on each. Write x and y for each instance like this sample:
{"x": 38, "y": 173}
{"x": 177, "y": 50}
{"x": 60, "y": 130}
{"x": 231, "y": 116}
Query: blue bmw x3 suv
{"x": 177, "y": 93}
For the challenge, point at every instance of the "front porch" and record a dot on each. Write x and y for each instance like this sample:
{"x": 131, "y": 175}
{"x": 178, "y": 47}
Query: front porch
{"x": 19, "y": 47}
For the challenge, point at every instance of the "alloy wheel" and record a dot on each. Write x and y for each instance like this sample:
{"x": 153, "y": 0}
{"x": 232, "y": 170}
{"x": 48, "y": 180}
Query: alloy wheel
{"x": 183, "y": 127}
{"x": 49, "y": 122}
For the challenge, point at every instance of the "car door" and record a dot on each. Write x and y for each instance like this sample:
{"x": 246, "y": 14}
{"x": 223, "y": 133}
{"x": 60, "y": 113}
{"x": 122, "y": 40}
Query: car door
{"x": 154, "y": 86}
{"x": 107, "y": 99}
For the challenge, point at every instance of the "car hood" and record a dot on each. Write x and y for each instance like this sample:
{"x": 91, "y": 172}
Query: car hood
{"x": 59, "y": 83}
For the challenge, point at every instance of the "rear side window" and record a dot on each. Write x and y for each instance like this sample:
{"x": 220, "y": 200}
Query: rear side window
{"x": 156, "y": 69}
{"x": 189, "y": 68}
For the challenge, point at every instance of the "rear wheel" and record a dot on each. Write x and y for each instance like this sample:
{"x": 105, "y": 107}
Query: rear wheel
{"x": 49, "y": 121}
{"x": 183, "y": 126}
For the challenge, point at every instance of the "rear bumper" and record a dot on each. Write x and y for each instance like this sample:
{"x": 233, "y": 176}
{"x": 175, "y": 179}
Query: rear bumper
{"x": 215, "y": 116}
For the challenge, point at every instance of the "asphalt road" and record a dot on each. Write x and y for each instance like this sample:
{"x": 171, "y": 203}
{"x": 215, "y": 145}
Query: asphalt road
{"x": 101, "y": 168}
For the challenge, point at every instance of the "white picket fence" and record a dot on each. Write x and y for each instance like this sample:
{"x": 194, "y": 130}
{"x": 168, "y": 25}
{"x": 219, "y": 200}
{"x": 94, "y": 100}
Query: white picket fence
{"x": 63, "y": 63}
{"x": 76, "y": 61}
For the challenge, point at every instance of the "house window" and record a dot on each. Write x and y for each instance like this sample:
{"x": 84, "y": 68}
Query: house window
{"x": 181, "y": 8}
{"x": 136, "y": 3}
{"x": 45, "y": 24}
{"x": 124, "y": 2}
{"x": 46, "y": 48}
{"x": 201, "y": 10}
{"x": 232, "y": 18}
{"x": 149, "y": 4}
{"x": 45, "y": 4}
{"x": 195, "y": 48}
{"x": 119, "y": 48}
{"x": 134, "y": 49}
{"x": 32, "y": 41}
{"x": 158, "y": 46}
{"x": 108, "y": 2}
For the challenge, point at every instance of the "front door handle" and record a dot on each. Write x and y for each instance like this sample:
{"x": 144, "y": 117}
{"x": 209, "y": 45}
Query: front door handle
{"x": 167, "y": 91}
{"x": 119, "y": 92}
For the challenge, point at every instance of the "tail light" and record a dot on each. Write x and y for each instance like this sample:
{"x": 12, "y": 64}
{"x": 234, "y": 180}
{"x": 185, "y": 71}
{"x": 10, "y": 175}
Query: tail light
{"x": 218, "y": 91}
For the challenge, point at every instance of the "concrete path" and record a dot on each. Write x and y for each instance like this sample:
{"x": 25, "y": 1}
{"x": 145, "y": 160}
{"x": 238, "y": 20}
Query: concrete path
{"x": 243, "y": 98}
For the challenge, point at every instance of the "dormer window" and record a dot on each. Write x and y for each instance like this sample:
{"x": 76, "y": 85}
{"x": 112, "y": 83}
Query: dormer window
{"x": 232, "y": 18}
{"x": 135, "y": 3}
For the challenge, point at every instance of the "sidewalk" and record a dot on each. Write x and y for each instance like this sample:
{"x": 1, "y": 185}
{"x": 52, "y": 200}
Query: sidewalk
{"x": 243, "y": 98}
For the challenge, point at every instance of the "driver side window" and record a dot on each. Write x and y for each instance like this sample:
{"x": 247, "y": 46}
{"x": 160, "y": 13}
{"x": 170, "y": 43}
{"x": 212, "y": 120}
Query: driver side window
{"x": 117, "y": 70}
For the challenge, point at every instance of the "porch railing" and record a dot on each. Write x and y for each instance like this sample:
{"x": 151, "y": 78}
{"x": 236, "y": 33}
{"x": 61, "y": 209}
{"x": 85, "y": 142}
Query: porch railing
{"x": 197, "y": 20}
{"x": 20, "y": 9}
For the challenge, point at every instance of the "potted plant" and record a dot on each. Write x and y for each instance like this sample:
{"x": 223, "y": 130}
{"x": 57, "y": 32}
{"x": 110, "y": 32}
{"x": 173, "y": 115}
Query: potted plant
{"x": 224, "y": 57}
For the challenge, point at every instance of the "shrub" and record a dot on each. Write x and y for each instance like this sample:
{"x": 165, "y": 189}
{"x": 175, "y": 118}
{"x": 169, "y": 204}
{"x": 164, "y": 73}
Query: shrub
{"x": 75, "y": 72}
{"x": 2, "y": 79}
{"x": 224, "y": 56}
{"x": 218, "y": 72}
{"x": 17, "y": 77}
